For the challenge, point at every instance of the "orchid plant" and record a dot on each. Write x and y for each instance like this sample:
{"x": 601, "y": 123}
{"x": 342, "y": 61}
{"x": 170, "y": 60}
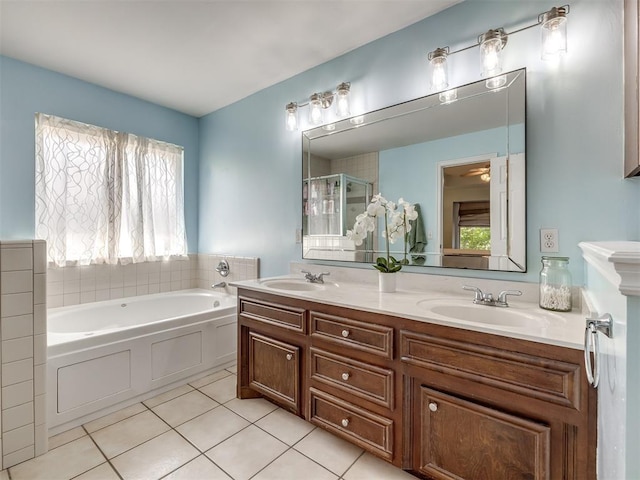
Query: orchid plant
{"x": 396, "y": 221}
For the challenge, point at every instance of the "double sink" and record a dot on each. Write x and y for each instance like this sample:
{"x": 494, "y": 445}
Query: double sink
{"x": 458, "y": 309}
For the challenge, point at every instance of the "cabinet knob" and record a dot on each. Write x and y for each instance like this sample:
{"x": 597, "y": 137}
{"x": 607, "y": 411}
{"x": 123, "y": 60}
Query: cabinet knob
{"x": 433, "y": 406}
{"x": 345, "y": 422}
{"x": 345, "y": 376}
{"x": 345, "y": 333}
{"x": 289, "y": 356}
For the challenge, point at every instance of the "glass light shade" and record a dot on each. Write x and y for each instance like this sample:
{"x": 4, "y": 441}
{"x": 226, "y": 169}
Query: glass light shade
{"x": 315, "y": 109}
{"x": 491, "y": 45}
{"x": 343, "y": 109}
{"x": 291, "y": 117}
{"x": 449, "y": 96}
{"x": 554, "y": 33}
{"x": 496, "y": 82}
{"x": 439, "y": 71}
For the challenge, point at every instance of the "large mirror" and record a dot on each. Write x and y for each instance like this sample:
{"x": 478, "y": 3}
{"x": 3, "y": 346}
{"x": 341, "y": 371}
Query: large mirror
{"x": 459, "y": 157}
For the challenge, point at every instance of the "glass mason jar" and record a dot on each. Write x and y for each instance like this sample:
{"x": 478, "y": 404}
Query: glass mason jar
{"x": 555, "y": 284}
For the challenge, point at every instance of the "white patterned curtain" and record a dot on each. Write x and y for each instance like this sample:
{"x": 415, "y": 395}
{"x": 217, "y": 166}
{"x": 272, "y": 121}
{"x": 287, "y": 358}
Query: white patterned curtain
{"x": 104, "y": 196}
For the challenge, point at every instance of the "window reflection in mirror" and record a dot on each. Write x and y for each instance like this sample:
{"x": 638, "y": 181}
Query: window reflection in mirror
{"x": 462, "y": 164}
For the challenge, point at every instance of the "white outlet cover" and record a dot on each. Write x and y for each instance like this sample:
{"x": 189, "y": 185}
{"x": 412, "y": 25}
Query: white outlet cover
{"x": 549, "y": 240}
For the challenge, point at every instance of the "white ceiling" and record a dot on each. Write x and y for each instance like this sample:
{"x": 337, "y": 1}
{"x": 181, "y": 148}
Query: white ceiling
{"x": 196, "y": 56}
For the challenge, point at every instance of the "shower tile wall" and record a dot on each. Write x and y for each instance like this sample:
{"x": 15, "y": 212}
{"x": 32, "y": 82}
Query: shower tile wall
{"x": 94, "y": 283}
{"x": 24, "y": 349}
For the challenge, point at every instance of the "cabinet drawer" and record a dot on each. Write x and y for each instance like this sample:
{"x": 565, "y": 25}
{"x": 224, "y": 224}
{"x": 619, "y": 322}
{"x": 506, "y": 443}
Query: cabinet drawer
{"x": 274, "y": 369}
{"x": 546, "y": 379}
{"x": 367, "y": 430}
{"x": 366, "y": 337}
{"x": 365, "y": 381}
{"x": 287, "y": 317}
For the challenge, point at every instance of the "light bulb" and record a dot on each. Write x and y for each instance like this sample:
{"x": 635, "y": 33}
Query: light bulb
{"x": 315, "y": 109}
{"x": 554, "y": 33}
{"x": 291, "y": 116}
{"x": 343, "y": 108}
{"x": 439, "y": 74}
{"x": 491, "y": 45}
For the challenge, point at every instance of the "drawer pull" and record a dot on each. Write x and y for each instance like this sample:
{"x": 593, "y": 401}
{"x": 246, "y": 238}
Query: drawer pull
{"x": 345, "y": 376}
{"x": 345, "y": 333}
{"x": 289, "y": 356}
{"x": 433, "y": 406}
{"x": 345, "y": 422}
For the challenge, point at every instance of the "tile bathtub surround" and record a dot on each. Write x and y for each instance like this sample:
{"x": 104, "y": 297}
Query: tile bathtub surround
{"x": 187, "y": 434}
{"x": 93, "y": 283}
{"x": 240, "y": 268}
{"x": 23, "y": 352}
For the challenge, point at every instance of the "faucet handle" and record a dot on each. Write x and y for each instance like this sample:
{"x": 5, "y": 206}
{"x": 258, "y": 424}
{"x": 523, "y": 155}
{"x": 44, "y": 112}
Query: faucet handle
{"x": 502, "y": 297}
{"x": 479, "y": 295}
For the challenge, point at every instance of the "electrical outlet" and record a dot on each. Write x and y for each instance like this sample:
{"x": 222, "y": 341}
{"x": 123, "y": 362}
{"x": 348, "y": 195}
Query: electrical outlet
{"x": 549, "y": 240}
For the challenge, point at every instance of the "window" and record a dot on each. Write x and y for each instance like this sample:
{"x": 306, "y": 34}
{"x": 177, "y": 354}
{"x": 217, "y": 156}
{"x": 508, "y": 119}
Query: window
{"x": 471, "y": 224}
{"x": 104, "y": 196}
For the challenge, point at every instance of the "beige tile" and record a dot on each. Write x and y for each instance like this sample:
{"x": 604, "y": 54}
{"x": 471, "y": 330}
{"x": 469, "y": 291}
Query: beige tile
{"x": 166, "y": 396}
{"x": 64, "y": 462}
{"x": 184, "y": 408}
{"x": 200, "y": 468}
{"x": 233, "y": 369}
{"x": 16, "y": 259}
{"x": 13, "y": 304}
{"x": 16, "y": 417}
{"x": 17, "y": 439}
{"x": 17, "y": 349}
{"x": 114, "y": 417}
{"x": 212, "y": 428}
{"x": 246, "y": 453}
{"x": 101, "y": 472}
{"x": 285, "y": 426}
{"x": 66, "y": 437}
{"x": 22, "y": 455}
{"x": 368, "y": 467}
{"x": 20, "y": 281}
{"x": 16, "y": 327}
{"x": 155, "y": 458}
{"x": 294, "y": 466}
{"x": 17, "y": 372}
{"x": 126, "y": 434}
{"x": 4, "y": 475}
{"x": 201, "y": 382}
{"x": 328, "y": 450}
{"x": 253, "y": 409}
{"x": 222, "y": 390}
{"x": 17, "y": 394}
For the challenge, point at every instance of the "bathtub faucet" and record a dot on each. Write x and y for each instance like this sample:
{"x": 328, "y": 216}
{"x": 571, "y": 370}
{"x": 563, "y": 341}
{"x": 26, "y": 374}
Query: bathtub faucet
{"x": 311, "y": 278}
{"x": 219, "y": 285}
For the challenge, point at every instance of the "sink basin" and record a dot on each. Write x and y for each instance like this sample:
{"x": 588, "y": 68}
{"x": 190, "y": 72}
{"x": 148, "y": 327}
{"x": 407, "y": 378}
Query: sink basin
{"x": 294, "y": 284}
{"x": 508, "y": 317}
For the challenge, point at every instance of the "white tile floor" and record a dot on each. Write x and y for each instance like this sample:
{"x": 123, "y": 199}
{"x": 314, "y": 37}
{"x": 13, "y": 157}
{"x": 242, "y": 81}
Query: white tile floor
{"x": 201, "y": 431}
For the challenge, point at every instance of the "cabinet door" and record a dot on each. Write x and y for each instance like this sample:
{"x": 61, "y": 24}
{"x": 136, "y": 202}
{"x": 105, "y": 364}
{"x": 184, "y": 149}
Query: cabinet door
{"x": 274, "y": 369}
{"x": 463, "y": 440}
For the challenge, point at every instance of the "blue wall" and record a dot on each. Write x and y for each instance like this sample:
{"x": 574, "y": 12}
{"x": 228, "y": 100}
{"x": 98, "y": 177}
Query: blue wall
{"x": 250, "y": 166}
{"x": 26, "y": 89}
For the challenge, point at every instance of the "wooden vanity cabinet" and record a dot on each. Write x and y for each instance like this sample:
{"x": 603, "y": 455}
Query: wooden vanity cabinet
{"x": 440, "y": 402}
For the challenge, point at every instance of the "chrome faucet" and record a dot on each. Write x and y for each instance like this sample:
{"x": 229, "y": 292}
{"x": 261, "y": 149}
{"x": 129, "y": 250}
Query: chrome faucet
{"x": 488, "y": 299}
{"x": 219, "y": 285}
{"x": 311, "y": 278}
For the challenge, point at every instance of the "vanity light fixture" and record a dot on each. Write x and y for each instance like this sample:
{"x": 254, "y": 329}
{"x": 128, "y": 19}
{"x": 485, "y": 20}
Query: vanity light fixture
{"x": 318, "y": 103}
{"x": 553, "y": 25}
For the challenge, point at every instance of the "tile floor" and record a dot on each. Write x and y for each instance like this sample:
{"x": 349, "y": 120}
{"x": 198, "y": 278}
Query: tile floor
{"x": 200, "y": 431}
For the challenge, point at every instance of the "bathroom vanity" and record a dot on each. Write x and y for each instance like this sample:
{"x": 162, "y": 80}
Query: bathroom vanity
{"x": 440, "y": 398}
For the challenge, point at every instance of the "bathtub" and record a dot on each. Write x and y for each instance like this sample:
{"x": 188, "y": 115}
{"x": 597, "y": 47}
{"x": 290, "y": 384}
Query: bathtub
{"x": 104, "y": 355}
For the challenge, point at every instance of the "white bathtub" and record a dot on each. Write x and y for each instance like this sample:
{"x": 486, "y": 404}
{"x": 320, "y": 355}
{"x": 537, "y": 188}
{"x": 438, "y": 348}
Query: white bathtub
{"x": 104, "y": 355}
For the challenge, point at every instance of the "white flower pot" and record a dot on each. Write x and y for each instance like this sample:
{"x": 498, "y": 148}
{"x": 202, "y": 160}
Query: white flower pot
{"x": 387, "y": 282}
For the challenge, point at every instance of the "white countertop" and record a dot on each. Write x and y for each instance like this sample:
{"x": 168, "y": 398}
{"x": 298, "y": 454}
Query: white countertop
{"x": 534, "y": 323}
